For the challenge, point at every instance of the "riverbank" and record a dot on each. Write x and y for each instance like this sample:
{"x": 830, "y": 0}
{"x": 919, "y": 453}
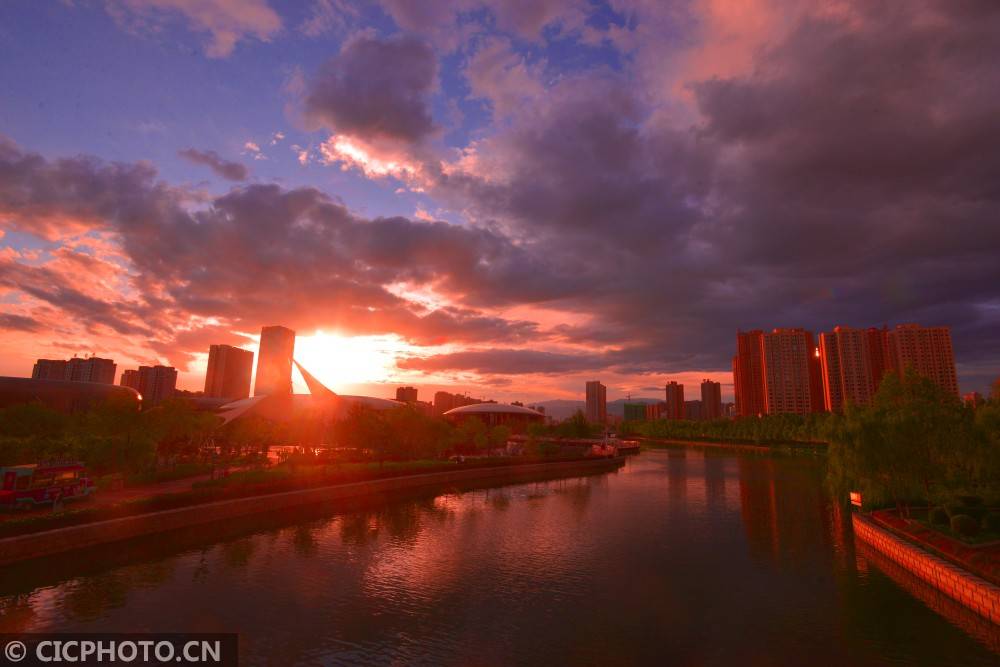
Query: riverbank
{"x": 973, "y": 591}
{"x": 59, "y": 540}
{"x": 810, "y": 448}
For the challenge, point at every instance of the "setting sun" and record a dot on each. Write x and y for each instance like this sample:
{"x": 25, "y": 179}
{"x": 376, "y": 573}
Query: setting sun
{"x": 342, "y": 361}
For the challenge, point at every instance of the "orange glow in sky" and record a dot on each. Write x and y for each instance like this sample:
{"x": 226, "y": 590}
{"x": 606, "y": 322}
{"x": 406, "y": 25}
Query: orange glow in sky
{"x": 342, "y": 361}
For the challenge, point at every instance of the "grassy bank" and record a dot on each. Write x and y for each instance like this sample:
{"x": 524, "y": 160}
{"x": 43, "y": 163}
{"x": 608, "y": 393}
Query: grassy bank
{"x": 739, "y": 444}
{"x": 251, "y": 483}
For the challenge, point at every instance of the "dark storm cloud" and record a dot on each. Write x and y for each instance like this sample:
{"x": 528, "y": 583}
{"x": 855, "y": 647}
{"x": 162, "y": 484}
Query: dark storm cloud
{"x": 54, "y": 289}
{"x": 520, "y": 361}
{"x": 376, "y": 89}
{"x": 233, "y": 171}
{"x": 257, "y": 255}
{"x": 848, "y": 177}
{"x": 46, "y": 197}
{"x": 13, "y": 322}
{"x": 505, "y": 362}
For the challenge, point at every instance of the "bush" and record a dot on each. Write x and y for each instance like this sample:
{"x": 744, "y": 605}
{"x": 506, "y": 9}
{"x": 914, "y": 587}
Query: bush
{"x": 938, "y": 517}
{"x": 964, "y": 525}
{"x": 970, "y": 501}
{"x": 991, "y": 522}
{"x": 977, "y": 512}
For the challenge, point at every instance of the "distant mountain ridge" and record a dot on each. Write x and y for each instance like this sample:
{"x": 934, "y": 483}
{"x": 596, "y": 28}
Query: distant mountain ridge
{"x": 562, "y": 408}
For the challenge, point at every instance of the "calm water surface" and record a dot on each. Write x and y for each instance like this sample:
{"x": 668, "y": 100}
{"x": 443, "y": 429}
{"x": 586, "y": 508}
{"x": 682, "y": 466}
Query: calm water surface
{"x": 679, "y": 558}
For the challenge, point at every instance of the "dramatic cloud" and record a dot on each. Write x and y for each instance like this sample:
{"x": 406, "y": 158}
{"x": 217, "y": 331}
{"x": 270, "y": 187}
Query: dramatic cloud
{"x": 256, "y": 255}
{"x": 843, "y": 178}
{"x": 497, "y": 74}
{"x": 226, "y": 21}
{"x": 376, "y": 89}
{"x": 448, "y": 22}
{"x": 14, "y": 322}
{"x": 233, "y": 171}
{"x": 634, "y": 183}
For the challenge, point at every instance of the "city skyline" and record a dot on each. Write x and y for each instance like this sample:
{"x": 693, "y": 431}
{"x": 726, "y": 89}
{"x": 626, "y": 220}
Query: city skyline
{"x": 530, "y": 199}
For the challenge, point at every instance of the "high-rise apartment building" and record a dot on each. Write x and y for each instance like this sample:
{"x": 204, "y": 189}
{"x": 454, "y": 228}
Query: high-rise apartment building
{"x": 229, "y": 371}
{"x": 748, "y": 373}
{"x": 693, "y": 410}
{"x": 711, "y": 400}
{"x": 274, "y": 361}
{"x": 927, "y": 350}
{"x": 674, "y": 408}
{"x": 597, "y": 402}
{"x": 791, "y": 369}
{"x": 89, "y": 369}
{"x": 406, "y": 394}
{"x": 847, "y": 366}
{"x": 156, "y": 384}
{"x": 878, "y": 354}
{"x": 654, "y": 411}
{"x": 49, "y": 369}
{"x": 130, "y": 378}
{"x": 445, "y": 401}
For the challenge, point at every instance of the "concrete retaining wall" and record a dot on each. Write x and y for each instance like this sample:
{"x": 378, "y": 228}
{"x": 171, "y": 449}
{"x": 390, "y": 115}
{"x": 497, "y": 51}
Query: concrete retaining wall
{"x": 35, "y": 545}
{"x": 974, "y": 592}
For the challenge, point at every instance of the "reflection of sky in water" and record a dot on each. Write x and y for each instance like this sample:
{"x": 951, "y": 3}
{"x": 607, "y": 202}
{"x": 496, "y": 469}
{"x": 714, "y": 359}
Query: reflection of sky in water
{"x": 681, "y": 556}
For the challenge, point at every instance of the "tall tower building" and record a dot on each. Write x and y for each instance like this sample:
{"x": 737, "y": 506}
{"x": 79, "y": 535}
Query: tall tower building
{"x": 130, "y": 378}
{"x": 406, "y": 394}
{"x": 91, "y": 369}
{"x": 792, "y": 382}
{"x": 274, "y": 361}
{"x": 711, "y": 400}
{"x": 49, "y": 369}
{"x": 156, "y": 384}
{"x": 878, "y": 353}
{"x": 675, "y": 401}
{"x": 229, "y": 371}
{"x": 597, "y": 402}
{"x": 748, "y": 373}
{"x": 846, "y": 362}
{"x": 927, "y": 350}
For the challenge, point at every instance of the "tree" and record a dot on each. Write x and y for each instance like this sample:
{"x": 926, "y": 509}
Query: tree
{"x": 576, "y": 426}
{"x": 499, "y": 436}
{"x": 179, "y": 429}
{"x": 915, "y": 441}
{"x": 366, "y": 430}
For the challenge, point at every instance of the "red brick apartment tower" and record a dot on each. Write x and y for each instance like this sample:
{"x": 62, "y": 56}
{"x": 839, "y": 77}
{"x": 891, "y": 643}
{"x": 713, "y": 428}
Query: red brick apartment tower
{"x": 878, "y": 351}
{"x": 846, "y": 368}
{"x": 927, "y": 350}
{"x": 748, "y": 374}
{"x": 675, "y": 401}
{"x": 792, "y": 382}
{"x": 711, "y": 400}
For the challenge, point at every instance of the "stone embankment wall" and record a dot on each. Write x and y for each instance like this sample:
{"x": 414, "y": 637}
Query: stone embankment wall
{"x": 974, "y": 592}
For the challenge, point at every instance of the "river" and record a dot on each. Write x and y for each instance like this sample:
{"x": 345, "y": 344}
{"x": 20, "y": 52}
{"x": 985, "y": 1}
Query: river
{"x": 682, "y": 557}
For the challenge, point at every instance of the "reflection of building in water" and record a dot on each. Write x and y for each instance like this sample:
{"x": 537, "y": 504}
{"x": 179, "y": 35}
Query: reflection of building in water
{"x": 715, "y": 480}
{"x": 677, "y": 473}
{"x": 783, "y": 508}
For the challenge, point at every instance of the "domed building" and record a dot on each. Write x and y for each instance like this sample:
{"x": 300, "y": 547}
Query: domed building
{"x": 497, "y": 414}
{"x": 64, "y": 395}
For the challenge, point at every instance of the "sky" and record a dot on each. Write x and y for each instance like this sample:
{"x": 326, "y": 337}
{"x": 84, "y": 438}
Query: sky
{"x": 507, "y": 198}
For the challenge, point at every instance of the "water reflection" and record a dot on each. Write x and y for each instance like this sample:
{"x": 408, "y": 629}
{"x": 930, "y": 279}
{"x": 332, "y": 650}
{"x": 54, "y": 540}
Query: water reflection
{"x": 681, "y": 557}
